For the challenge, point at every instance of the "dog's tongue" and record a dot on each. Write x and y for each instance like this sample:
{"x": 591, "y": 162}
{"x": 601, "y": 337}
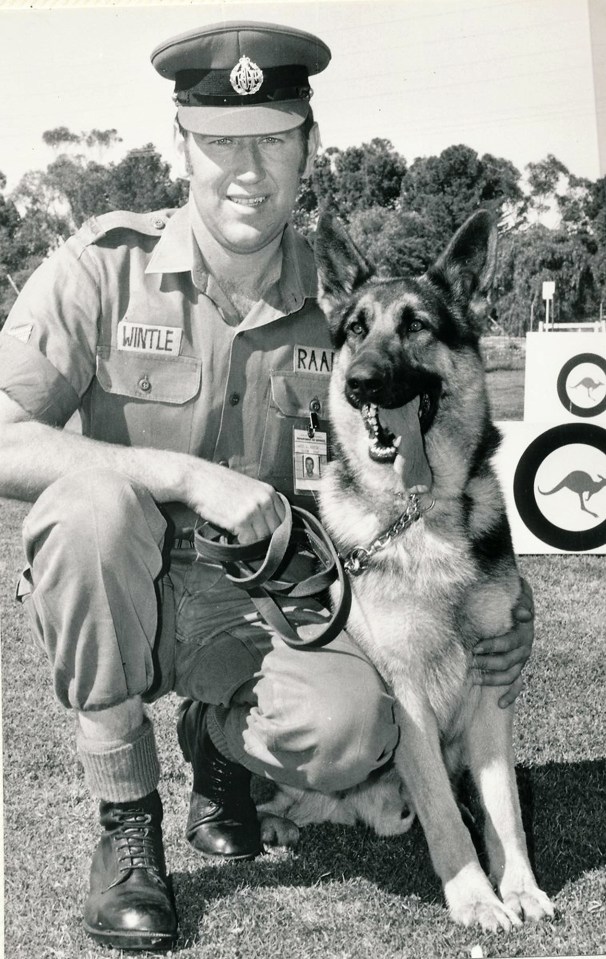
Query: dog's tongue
{"x": 411, "y": 462}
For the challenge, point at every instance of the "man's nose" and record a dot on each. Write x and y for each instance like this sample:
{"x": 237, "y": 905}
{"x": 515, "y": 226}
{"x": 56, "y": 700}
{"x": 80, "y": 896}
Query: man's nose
{"x": 249, "y": 163}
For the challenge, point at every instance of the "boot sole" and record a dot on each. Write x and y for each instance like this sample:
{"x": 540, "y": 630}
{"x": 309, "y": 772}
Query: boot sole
{"x": 131, "y": 940}
{"x": 237, "y": 857}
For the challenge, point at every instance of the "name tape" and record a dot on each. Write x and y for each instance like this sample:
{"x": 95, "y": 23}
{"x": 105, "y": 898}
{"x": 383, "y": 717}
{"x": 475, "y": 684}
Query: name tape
{"x": 313, "y": 359}
{"x": 141, "y": 338}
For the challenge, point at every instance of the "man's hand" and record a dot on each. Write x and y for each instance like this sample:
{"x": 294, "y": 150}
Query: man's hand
{"x": 246, "y": 507}
{"x": 499, "y": 661}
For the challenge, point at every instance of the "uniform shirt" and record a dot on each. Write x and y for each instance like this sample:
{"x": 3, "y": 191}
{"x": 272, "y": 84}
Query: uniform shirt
{"x": 125, "y": 324}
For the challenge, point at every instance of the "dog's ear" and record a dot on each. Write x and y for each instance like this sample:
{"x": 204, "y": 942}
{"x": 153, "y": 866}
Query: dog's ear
{"x": 341, "y": 266}
{"x": 469, "y": 260}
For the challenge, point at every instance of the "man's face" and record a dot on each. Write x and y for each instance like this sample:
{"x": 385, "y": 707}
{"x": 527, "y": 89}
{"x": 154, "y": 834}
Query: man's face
{"x": 245, "y": 187}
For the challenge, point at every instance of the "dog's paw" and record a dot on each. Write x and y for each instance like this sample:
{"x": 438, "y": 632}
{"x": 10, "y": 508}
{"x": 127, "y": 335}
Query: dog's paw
{"x": 491, "y": 914}
{"x": 277, "y": 831}
{"x": 394, "y": 822}
{"x": 531, "y": 904}
{"x": 474, "y": 903}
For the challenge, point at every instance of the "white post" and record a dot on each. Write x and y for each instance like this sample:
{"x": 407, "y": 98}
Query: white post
{"x": 548, "y": 293}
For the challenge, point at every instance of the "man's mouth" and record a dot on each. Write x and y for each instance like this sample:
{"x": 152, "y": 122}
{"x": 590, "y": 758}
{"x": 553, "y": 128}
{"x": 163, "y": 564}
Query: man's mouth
{"x": 250, "y": 201}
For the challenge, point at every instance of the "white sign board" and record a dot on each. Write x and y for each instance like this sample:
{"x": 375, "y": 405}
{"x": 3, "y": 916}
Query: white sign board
{"x": 565, "y": 378}
{"x": 554, "y": 481}
{"x": 548, "y": 289}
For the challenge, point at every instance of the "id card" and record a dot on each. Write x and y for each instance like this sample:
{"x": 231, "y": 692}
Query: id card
{"x": 310, "y": 455}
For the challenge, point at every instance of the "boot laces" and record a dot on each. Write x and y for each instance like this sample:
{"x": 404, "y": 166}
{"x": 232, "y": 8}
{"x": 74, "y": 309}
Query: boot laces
{"x": 135, "y": 842}
{"x": 229, "y": 782}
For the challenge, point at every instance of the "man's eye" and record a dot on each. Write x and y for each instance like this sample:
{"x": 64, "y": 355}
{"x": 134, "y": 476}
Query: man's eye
{"x": 415, "y": 326}
{"x": 223, "y": 141}
{"x": 270, "y": 140}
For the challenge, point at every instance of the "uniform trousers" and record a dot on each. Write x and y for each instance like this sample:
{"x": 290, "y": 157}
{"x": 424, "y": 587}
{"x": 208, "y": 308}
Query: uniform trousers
{"x": 121, "y": 615}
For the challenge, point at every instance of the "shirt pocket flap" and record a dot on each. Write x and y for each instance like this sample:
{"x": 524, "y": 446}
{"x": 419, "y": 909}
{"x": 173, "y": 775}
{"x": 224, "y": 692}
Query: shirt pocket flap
{"x": 170, "y": 379}
{"x": 292, "y": 393}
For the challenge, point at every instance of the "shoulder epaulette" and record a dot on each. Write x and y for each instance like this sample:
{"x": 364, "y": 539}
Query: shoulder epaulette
{"x": 98, "y": 227}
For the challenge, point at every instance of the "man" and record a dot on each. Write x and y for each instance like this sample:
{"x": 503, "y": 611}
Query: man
{"x": 310, "y": 466}
{"x": 182, "y": 340}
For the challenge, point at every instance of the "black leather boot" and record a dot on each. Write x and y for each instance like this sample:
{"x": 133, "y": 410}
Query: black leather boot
{"x": 130, "y": 904}
{"x": 222, "y": 817}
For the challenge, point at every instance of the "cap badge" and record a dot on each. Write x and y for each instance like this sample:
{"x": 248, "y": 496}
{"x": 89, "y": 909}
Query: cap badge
{"x": 246, "y": 77}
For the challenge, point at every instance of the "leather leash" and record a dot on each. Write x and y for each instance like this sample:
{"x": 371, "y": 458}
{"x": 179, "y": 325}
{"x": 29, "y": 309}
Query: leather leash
{"x": 299, "y": 528}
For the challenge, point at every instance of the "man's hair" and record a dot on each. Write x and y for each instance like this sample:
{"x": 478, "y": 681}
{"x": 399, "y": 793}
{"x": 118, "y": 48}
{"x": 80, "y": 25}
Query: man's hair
{"x": 304, "y": 129}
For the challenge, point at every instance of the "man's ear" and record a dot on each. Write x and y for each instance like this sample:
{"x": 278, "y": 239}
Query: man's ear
{"x": 181, "y": 164}
{"x": 313, "y": 145}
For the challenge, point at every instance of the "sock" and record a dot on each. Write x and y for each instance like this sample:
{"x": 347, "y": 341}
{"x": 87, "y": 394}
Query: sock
{"x": 122, "y": 770}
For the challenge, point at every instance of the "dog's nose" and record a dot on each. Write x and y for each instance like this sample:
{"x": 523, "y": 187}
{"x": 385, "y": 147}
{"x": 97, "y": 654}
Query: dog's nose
{"x": 364, "y": 387}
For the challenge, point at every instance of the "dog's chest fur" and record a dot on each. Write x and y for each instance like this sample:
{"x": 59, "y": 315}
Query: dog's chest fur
{"x": 404, "y": 611}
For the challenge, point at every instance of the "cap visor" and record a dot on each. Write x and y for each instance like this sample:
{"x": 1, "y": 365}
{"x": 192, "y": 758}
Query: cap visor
{"x": 244, "y": 120}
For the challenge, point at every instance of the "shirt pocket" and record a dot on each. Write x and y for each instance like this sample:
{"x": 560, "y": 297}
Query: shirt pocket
{"x": 293, "y": 398}
{"x": 141, "y": 400}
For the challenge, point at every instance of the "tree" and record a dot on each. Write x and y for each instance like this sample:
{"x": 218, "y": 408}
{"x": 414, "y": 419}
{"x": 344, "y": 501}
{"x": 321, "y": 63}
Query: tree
{"x": 60, "y": 137}
{"x": 351, "y": 180}
{"x": 101, "y": 140}
{"x": 48, "y": 205}
{"x": 72, "y": 188}
{"x": 367, "y": 176}
{"x": 596, "y": 210}
{"x": 142, "y": 181}
{"x": 398, "y": 242}
{"x": 24, "y": 242}
{"x": 527, "y": 258}
{"x": 544, "y": 179}
{"x": 448, "y": 188}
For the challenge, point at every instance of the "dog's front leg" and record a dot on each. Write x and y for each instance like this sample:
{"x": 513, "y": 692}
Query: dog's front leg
{"x": 490, "y": 755}
{"x": 419, "y": 761}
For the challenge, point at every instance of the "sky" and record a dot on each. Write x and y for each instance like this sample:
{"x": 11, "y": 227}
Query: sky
{"x": 509, "y": 77}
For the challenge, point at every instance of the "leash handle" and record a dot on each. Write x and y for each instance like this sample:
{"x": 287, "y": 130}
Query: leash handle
{"x": 263, "y": 588}
{"x": 234, "y": 555}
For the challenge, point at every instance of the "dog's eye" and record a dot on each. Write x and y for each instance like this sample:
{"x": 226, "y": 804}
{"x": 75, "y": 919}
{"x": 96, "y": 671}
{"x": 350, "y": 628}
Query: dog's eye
{"x": 415, "y": 326}
{"x": 358, "y": 328}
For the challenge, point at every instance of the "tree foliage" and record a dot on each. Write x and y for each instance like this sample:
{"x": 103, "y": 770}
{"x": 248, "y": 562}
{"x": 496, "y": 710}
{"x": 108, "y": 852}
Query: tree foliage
{"x": 73, "y": 188}
{"x": 48, "y": 205}
{"x": 528, "y": 258}
{"x": 449, "y": 187}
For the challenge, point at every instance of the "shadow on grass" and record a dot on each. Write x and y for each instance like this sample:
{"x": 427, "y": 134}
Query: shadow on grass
{"x": 563, "y": 811}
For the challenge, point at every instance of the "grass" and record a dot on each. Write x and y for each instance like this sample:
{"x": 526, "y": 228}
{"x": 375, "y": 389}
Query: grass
{"x": 345, "y": 894}
{"x": 504, "y": 359}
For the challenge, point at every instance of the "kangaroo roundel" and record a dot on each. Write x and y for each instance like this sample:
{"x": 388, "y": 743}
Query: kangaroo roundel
{"x": 560, "y": 487}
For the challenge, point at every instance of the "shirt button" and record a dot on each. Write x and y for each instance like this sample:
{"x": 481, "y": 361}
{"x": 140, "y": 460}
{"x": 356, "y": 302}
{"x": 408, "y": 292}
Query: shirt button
{"x": 234, "y": 399}
{"x": 144, "y": 384}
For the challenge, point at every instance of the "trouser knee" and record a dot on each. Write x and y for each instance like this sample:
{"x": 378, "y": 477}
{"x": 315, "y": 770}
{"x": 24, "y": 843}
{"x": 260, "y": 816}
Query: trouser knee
{"x": 320, "y": 719}
{"x": 91, "y": 511}
{"x": 354, "y": 737}
{"x": 93, "y": 542}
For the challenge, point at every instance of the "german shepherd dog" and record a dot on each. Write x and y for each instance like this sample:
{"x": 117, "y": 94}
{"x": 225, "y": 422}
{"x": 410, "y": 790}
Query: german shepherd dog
{"x": 443, "y": 577}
